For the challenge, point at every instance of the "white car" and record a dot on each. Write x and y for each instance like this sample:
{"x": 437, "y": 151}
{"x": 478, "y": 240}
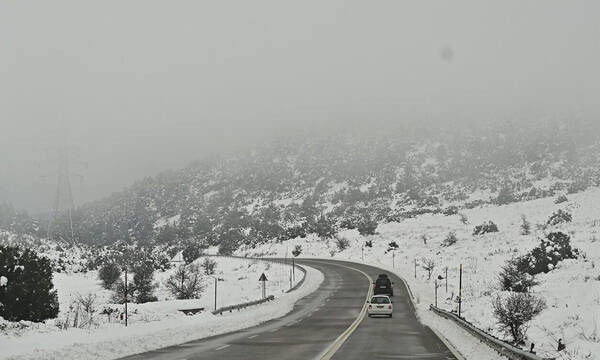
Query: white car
{"x": 380, "y": 305}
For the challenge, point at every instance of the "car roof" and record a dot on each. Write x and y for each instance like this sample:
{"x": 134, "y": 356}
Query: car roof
{"x": 385, "y": 296}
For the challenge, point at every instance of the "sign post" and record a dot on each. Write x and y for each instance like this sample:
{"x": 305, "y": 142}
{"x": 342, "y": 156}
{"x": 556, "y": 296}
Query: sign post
{"x": 264, "y": 280}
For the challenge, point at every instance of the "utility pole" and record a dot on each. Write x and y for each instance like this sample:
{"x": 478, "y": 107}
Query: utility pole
{"x": 460, "y": 290}
{"x": 293, "y": 270}
{"x": 415, "y": 268}
{"x": 216, "y": 281}
{"x": 126, "y": 296}
{"x": 63, "y": 197}
{"x": 446, "y": 280}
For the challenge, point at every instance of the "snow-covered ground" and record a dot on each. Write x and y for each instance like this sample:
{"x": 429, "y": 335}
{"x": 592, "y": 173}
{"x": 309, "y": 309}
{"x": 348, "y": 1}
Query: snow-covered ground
{"x": 156, "y": 324}
{"x": 571, "y": 290}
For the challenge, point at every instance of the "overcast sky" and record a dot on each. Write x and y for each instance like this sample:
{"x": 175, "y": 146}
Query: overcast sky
{"x": 145, "y": 86}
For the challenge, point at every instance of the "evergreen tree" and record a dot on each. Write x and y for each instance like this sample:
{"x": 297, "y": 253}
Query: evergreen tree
{"x": 28, "y": 293}
{"x": 143, "y": 283}
{"x": 109, "y": 274}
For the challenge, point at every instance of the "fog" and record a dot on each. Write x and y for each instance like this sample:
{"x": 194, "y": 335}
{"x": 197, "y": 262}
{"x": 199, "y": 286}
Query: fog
{"x": 144, "y": 86}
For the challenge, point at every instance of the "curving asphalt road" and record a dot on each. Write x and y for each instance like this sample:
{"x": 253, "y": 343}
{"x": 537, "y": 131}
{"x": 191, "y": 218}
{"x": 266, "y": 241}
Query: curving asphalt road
{"x": 317, "y": 322}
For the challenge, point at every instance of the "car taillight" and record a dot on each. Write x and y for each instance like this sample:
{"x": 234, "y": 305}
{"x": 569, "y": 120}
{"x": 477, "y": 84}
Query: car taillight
{"x": 390, "y": 307}
{"x": 370, "y": 306}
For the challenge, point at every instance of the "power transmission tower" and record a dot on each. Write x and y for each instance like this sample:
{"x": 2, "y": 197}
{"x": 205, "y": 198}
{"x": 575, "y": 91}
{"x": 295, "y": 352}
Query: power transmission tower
{"x": 63, "y": 203}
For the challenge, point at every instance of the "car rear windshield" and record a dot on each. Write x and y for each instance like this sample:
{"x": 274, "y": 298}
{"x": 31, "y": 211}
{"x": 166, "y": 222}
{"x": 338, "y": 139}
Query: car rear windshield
{"x": 380, "y": 300}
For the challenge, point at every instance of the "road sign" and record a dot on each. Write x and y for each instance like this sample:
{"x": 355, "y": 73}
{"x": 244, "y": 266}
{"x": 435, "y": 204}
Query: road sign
{"x": 263, "y": 278}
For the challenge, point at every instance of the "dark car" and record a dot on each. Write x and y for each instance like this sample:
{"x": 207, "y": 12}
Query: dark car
{"x": 383, "y": 286}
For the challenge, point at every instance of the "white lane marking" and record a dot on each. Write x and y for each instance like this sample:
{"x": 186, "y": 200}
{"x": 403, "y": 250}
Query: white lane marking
{"x": 222, "y": 347}
{"x": 274, "y": 330}
{"x": 252, "y": 337}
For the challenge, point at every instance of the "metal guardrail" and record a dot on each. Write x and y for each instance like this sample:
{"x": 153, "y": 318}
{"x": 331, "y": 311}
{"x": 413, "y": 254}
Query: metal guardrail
{"x": 238, "y": 307}
{"x": 502, "y": 347}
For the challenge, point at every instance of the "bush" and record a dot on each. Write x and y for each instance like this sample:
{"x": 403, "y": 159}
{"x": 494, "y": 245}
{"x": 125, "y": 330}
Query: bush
{"x": 342, "y": 243}
{"x": 324, "y": 228}
{"x": 515, "y": 277}
{"x": 559, "y": 217}
{"x": 191, "y": 253}
{"x": 186, "y": 282}
{"x": 109, "y": 274}
{"x": 515, "y": 311}
{"x": 369, "y": 243}
{"x": 450, "y": 239}
{"x": 450, "y": 210}
{"x": 556, "y": 247}
{"x": 561, "y": 199}
{"x": 367, "y": 226}
{"x": 27, "y": 292}
{"x": 525, "y": 226}
{"x": 505, "y": 196}
{"x": 297, "y": 250}
{"x": 392, "y": 246}
{"x": 486, "y": 227}
{"x": 463, "y": 218}
{"x": 143, "y": 283}
{"x": 209, "y": 266}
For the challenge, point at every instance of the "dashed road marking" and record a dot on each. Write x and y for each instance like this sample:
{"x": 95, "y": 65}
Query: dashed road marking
{"x": 222, "y": 347}
{"x": 252, "y": 337}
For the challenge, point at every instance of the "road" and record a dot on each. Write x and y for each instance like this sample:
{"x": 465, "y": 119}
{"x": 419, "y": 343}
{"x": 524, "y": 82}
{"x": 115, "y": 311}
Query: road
{"x": 316, "y": 323}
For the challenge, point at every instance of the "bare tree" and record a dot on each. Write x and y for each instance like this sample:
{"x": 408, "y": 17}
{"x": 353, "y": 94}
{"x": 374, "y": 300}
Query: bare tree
{"x": 463, "y": 218}
{"x": 186, "y": 283}
{"x": 514, "y": 313}
{"x": 428, "y": 265}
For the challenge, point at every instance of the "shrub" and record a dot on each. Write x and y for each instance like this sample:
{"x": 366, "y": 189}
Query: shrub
{"x": 559, "y": 217}
{"x": 342, "y": 243}
{"x": 525, "y": 226}
{"x": 561, "y": 199}
{"x": 463, "y": 218}
{"x": 450, "y": 239}
{"x": 450, "y": 210}
{"x": 143, "y": 283}
{"x": 486, "y": 227}
{"x": 27, "y": 292}
{"x": 209, "y": 266}
{"x": 109, "y": 274}
{"x": 392, "y": 246}
{"x": 556, "y": 247}
{"x": 367, "y": 226}
{"x": 324, "y": 228}
{"x": 186, "y": 282}
{"x": 515, "y": 277}
{"x": 369, "y": 243}
{"x": 515, "y": 311}
{"x": 191, "y": 253}
{"x": 505, "y": 196}
{"x": 297, "y": 250}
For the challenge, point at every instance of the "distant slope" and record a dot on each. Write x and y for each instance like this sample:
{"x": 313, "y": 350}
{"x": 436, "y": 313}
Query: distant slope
{"x": 321, "y": 183}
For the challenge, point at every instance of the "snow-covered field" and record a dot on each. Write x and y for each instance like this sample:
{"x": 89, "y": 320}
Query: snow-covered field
{"x": 156, "y": 324}
{"x": 571, "y": 290}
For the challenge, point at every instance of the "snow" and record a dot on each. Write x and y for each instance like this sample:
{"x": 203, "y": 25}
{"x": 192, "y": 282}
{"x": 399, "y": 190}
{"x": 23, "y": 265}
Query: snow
{"x": 3, "y": 281}
{"x": 571, "y": 290}
{"x": 158, "y": 324}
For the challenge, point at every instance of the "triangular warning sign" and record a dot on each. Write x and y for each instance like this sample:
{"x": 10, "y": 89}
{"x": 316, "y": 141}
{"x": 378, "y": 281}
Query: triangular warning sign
{"x": 263, "y": 277}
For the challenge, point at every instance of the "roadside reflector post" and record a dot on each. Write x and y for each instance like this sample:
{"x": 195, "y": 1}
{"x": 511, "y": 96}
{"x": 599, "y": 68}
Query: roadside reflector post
{"x": 263, "y": 279}
{"x": 436, "y": 286}
{"x": 415, "y": 268}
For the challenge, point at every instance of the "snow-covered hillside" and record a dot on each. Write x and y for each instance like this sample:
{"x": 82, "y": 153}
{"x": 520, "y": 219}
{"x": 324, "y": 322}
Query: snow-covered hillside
{"x": 571, "y": 290}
